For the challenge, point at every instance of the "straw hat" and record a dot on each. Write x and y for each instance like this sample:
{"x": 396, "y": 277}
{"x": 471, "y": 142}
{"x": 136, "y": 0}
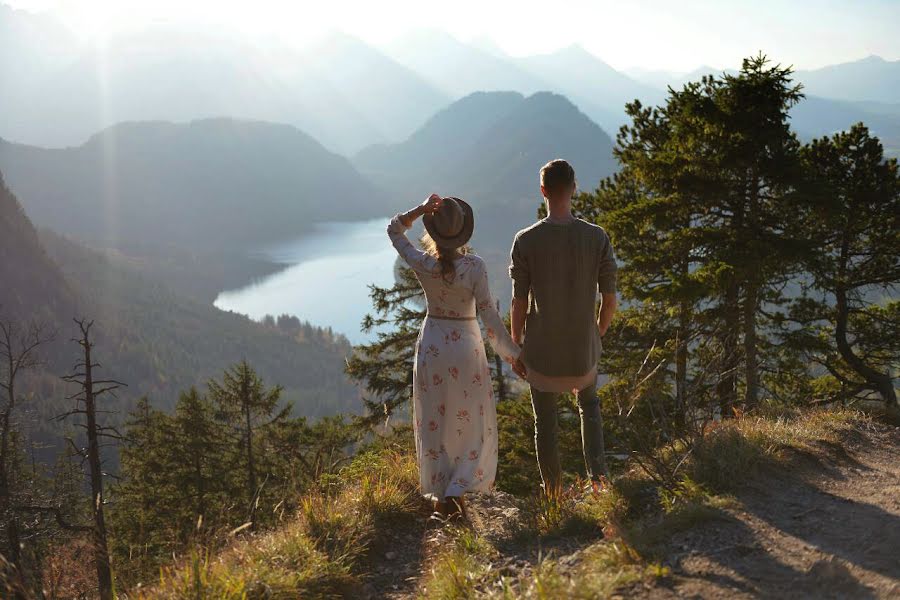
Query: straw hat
{"x": 452, "y": 224}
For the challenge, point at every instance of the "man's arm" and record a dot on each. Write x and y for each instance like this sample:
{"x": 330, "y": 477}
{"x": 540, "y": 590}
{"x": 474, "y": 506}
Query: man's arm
{"x": 606, "y": 284}
{"x": 517, "y": 318}
{"x": 520, "y": 274}
{"x": 608, "y": 305}
{"x": 521, "y": 280}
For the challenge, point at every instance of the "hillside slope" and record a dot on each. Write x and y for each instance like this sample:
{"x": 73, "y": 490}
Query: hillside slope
{"x": 803, "y": 506}
{"x": 31, "y": 283}
{"x": 161, "y": 343}
{"x": 153, "y": 339}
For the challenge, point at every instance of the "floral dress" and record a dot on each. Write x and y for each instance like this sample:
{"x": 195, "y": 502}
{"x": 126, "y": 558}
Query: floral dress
{"x": 453, "y": 400}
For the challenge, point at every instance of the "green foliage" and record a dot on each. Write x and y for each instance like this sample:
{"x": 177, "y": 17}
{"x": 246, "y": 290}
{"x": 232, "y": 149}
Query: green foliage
{"x": 186, "y": 475}
{"x": 165, "y": 343}
{"x": 721, "y": 219}
{"x": 846, "y": 320}
{"x": 321, "y": 552}
{"x": 385, "y": 366}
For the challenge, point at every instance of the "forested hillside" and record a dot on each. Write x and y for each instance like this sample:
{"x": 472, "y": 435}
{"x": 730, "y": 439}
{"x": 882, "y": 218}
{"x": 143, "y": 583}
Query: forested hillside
{"x": 151, "y": 338}
{"x": 164, "y": 343}
{"x": 27, "y": 274}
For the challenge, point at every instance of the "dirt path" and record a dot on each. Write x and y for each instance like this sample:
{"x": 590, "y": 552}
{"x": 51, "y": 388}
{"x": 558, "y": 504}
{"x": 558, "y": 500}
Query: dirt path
{"x": 828, "y": 528}
{"x": 832, "y": 532}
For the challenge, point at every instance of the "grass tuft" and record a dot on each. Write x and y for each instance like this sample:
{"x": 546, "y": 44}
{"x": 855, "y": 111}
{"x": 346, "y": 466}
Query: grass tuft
{"x": 318, "y": 554}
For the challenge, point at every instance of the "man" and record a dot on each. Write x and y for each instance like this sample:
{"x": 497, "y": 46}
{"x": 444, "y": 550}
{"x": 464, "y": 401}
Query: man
{"x": 557, "y": 267}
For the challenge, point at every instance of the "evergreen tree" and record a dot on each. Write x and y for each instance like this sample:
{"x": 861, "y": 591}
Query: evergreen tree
{"x": 850, "y": 221}
{"x": 697, "y": 215}
{"x": 244, "y": 403}
{"x": 199, "y": 476}
{"x": 143, "y": 496}
{"x": 385, "y": 366}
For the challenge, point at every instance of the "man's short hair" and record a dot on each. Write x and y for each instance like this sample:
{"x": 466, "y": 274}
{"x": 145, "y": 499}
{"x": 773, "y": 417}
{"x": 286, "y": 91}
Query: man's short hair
{"x": 556, "y": 175}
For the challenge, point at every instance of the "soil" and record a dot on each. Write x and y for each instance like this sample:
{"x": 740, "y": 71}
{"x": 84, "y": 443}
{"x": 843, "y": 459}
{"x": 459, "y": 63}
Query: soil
{"x": 827, "y": 527}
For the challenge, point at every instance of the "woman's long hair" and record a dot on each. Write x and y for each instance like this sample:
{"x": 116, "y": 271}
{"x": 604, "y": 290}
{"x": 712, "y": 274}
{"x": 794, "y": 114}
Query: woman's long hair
{"x": 444, "y": 256}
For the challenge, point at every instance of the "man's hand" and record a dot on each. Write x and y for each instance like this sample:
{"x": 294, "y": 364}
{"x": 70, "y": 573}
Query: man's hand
{"x": 601, "y": 328}
{"x": 519, "y": 368}
{"x": 608, "y": 305}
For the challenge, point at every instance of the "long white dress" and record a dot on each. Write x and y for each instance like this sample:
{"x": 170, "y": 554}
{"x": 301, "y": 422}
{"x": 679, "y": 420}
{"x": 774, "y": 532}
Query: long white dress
{"x": 453, "y": 400}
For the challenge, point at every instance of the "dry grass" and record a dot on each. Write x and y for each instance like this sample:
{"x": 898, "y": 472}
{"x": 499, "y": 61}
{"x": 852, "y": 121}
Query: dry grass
{"x": 464, "y": 570}
{"x": 320, "y": 553}
{"x": 636, "y": 516}
{"x": 735, "y": 450}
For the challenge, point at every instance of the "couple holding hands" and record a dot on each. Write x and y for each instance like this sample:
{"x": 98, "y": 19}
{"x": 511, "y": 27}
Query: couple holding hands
{"x": 559, "y": 266}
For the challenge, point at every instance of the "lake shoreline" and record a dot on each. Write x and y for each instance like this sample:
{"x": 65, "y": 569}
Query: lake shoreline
{"x": 321, "y": 277}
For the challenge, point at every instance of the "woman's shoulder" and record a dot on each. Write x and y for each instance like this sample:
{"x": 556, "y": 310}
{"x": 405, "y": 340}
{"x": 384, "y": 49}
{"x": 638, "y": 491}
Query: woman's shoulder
{"x": 471, "y": 260}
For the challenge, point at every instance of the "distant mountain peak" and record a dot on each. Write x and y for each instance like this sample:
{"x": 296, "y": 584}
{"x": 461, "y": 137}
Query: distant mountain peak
{"x": 576, "y": 49}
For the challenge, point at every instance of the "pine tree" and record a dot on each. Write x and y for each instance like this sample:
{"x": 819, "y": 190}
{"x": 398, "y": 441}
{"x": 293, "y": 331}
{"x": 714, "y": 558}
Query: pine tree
{"x": 144, "y": 498}
{"x": 198, "y": 473}
{"x": 244, "y": 403}
{"x": 385, "y": 366}
{"x": 697, "y": 215}
{"x": 851, "y": 225}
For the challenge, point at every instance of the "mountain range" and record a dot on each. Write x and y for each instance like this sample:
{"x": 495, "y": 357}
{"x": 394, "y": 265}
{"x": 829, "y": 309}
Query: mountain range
{"x": 56, "y": 91}
{"x": 210, "y": 184}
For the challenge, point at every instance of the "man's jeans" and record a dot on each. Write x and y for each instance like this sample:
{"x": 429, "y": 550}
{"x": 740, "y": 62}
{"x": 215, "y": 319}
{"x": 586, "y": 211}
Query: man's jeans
{"x": 546, "y": 426}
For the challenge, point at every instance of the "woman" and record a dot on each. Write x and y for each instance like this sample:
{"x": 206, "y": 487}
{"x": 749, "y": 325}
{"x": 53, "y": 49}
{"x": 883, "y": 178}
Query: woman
{"x": 453, "y": 400}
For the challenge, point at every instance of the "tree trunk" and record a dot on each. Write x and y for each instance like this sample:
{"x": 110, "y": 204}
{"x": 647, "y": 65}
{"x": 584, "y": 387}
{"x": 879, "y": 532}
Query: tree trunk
{"x": 251, "y": 468}
{"x": 681, "y": 360}
{"x": 6, "y": 509}
{"x": 880, "y": 382}
{"x": 101, "y": 551}
{"x": 753, "y": 231}
{"x": 751, "y": 365}
{"x": 727, "y": 385}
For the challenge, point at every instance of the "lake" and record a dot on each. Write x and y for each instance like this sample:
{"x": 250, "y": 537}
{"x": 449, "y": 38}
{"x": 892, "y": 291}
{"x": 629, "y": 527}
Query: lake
{"x": 326, "y": 277}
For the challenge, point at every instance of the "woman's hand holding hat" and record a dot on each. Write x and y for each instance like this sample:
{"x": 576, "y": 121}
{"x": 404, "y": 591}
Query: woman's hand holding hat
{"x": 432, "y": 204}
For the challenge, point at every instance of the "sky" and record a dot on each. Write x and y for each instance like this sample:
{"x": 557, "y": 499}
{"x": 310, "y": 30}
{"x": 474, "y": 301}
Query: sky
{"x": 676, "y": 36}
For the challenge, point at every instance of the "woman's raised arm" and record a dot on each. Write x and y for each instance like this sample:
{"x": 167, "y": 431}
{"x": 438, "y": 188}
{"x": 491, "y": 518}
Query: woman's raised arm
{"x": 415, "y": 258}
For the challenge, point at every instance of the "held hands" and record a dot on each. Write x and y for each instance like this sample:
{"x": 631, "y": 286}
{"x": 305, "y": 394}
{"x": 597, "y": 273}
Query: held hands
{"x": 519, "y": 368}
